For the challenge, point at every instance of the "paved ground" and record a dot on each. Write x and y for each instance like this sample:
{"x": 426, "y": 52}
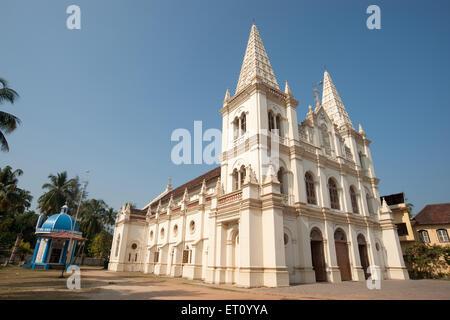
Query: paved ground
{"x": 17, "y": 283}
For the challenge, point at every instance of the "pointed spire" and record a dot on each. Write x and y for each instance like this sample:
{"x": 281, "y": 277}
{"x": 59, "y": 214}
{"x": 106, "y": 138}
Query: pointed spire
{"x": 332, "y": 102}
{"x": 185, "y": 195}
{"x": 256, "y": 65}
{"x": 287, "y": 90}
{"x": 218, "y": 190}
{"x": 171, "y": 204}
{"x": 203, "y": 188}
{"x": 227, "y": 96}
{"x": 169, "y": 185}
{"x": 361, "y": 131}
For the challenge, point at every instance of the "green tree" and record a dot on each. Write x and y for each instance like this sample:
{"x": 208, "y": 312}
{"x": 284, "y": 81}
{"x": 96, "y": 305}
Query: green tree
{"x": 409, "y": 208}
{"x": 426, "y": 261}
{"x": 12, "y": 198}
{"x": 100, "y": 245}
{"x": 92, "y": 217}
{"x": 60, "y": 191}
{"x": 8, "y": 122}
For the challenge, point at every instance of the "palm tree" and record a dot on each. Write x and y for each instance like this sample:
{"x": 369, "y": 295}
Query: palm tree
{"x": 8, "y": 122}
{"x": 94, "y": 215}
{"x": 60, "y": 191}
{"x": 13, "y": 200}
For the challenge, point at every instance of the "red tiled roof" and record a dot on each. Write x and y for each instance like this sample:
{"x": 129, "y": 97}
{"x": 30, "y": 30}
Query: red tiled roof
{"x": 434, "y": 214}
{"x": 63, "y": 235}
{"x": 214, "y": 173}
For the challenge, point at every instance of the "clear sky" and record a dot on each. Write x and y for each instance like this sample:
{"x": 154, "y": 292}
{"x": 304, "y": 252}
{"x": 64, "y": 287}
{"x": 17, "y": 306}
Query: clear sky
{"x": 106, "y": 98}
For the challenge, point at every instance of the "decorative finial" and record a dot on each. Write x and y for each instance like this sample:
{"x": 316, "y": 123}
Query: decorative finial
{"x": 287, "y": 89}
{"x": 361, "y": 131}
{"x": 64, "y": 208}
{"x": 227, "y": 95}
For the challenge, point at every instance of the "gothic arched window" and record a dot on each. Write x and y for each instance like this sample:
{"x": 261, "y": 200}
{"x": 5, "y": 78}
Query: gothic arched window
{"x": 236, "y": 128}
{"x": 278, "y": 124}
{"x": 310, "y": 191}
{"x": 235, "y": 179}
{"x": 280, "y": 177}
{"x": 334, "y": 196}
{"x": 271, "y": 122}
{"x": 354, "y": 200}
{"x": 369, "y": 203}
{"x": 326, "y": 144}
{"x": 243, "y": 123}
{"x": 242, "y": 176}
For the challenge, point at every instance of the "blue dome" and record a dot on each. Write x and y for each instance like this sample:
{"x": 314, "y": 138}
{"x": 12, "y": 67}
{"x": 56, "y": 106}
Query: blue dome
{"x": 60, "y": 221}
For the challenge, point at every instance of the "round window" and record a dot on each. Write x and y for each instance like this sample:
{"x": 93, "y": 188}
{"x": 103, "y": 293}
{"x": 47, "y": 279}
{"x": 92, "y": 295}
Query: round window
{"x": 286, "y": 239}
{"x": 175, "y": 230}
{"x": 134, "y": 246}
{"x": 192, "y": 226}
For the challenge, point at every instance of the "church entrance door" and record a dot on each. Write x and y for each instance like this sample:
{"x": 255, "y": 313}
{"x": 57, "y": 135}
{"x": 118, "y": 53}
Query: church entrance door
{"x": 340, "y": 242}
{"x": 318, "y": 260}
{"x": 362, "y": 248}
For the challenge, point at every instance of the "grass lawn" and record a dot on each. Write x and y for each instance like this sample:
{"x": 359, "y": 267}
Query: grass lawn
{"x": 19, "y": 283}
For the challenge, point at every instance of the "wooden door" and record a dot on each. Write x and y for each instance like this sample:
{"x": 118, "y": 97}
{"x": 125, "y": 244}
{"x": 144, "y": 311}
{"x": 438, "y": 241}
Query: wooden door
{"x": 364, "y": 259}
{"x": 342, "y": 260}
{"x": 318, "y": 260}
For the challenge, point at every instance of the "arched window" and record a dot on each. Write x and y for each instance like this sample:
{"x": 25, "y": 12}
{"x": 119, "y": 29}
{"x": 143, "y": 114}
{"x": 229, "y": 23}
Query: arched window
{"x": 310, "y": 191}
{"x": 236, "y": 128}
{"x": 326, "y": 144}
{"x": 242, "y": 176}
{"x": 334, "y": 196}
{"x": 339, "y": 235}
{"x": 354, "y": 200}
{"x": 235, "y": 180}
{"x": 442, "y": 235}
{"x": 423, "y": 236}
{"x": 280, "y": 177}
{"x": 369, "y": 203}
{"x": 271, "y": 122}
{"x": 316, "y": 235}
{"x": 278, "y": 124}
{"x": 243, "y": 123}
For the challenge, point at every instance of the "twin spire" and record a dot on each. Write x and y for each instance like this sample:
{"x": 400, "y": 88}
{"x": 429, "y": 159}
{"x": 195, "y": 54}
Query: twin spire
{"x": 256, "y": 65}
{"x": 332, "y": 103}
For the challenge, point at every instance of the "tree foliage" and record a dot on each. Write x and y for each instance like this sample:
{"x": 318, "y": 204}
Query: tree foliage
{"x": 60, "y": 191}
{"x": 100, "y": 245}
{"x": 8, "y": 122}
{"x": 426, "y": 261}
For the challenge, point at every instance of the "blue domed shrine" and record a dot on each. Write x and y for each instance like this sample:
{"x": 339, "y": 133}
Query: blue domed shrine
{"x": 57, "y": 239}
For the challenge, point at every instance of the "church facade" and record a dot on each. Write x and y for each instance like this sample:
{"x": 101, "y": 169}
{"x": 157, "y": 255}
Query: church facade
{"x": 290, "y": 203}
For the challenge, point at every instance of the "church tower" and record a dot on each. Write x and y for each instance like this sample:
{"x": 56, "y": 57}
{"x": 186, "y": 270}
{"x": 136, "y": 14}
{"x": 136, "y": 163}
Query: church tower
{"x": 258, "y": 112}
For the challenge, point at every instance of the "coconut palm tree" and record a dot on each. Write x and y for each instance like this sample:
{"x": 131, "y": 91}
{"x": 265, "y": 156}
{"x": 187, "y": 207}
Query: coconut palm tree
{"x": 61, "y": 190}
{"x": 12, "y": 199}
{"x": 8, "y": 122}
{"x": 94, "y": 215}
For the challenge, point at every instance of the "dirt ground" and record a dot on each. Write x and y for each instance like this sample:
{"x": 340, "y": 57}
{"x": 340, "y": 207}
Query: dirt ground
{"x": 98, "y": 284}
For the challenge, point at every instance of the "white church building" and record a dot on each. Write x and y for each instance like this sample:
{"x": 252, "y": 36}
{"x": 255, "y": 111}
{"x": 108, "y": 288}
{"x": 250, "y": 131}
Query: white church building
{"x": 302, "y": 209}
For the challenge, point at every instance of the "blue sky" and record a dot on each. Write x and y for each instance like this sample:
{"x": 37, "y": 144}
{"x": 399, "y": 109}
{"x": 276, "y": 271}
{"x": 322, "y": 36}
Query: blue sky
{"x": 106, "y": 98}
